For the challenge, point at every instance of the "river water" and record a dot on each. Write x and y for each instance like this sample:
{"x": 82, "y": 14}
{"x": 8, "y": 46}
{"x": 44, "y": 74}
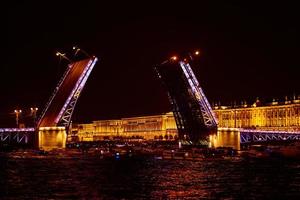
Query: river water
{"x": 89, "y": 177}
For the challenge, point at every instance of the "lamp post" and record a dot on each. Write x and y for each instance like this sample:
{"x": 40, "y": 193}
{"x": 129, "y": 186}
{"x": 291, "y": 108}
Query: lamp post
{"x": 33, "y": 113}
{"x": 18, "y": 112}
{"x": 63, "y": 55}
{"x": 77, "y": 49}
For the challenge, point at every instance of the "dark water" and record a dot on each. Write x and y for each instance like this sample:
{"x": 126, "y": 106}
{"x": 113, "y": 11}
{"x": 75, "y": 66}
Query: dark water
{"x": 146, "y": 178}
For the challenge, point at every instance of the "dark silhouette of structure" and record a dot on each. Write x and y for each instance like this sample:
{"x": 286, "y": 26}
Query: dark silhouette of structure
{"x": 193, "y": 114}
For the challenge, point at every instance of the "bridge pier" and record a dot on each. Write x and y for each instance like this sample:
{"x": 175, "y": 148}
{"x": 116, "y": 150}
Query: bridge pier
{"x": 50, "y": 138}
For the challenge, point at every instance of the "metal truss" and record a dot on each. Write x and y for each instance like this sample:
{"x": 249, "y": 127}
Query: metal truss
{"x": 65, "y": 115}
{"x": 15, "y": 135}
{"x": 192, "y": 112}
{"x": 249, "y": 136}
{"x": 206, "y": 111}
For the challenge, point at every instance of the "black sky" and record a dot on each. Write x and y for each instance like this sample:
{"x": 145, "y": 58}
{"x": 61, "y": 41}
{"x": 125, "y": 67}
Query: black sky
{"x": 248, "y": 50}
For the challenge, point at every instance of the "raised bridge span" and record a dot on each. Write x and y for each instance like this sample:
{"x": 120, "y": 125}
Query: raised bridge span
{"x": 54, "y": 121}
{"x": 193, "y": 114}
{"x": 59, "y": 109}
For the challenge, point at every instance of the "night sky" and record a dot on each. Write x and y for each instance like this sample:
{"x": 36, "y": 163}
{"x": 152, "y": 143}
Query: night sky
{"x": 248, "y": 50}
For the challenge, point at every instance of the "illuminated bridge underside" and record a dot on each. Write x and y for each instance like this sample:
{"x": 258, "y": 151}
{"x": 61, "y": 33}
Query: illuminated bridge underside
{"x": 59, "y": 109}
{"x": 256, "y": 136}
{"x": 193, "y": 114}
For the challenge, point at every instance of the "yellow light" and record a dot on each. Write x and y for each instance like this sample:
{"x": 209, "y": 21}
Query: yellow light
{"x": 55, "y": 128}
{"x": 174, "y": 58}
{"x": 197, "y": 52}
{"x": 57, "y": 53}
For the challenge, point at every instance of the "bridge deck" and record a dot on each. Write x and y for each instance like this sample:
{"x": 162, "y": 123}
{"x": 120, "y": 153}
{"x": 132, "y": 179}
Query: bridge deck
{"x": 63, "y": 93}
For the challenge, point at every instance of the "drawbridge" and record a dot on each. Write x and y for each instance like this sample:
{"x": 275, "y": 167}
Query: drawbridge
{"x": 58, "y": 111}
{"x": 193, "y": 114}
{"x": 54, "y": 121}
{"x": 52, "y": 125}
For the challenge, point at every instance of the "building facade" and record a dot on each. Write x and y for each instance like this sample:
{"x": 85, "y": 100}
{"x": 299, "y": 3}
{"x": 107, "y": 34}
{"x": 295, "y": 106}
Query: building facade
{"x": 161, "y": 127}
{"x": 274, "y": 116}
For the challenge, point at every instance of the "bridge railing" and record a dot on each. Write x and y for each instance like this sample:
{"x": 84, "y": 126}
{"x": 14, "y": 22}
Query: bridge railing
{"x": 54, "y": 92}
{"x": 16, "y": 135}
{"x": 249, "y": 136}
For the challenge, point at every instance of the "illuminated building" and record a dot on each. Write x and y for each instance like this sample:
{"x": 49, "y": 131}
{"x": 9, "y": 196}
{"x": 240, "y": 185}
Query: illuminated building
{"x": 161, "y": 127}
{"x": 273, "y": 116}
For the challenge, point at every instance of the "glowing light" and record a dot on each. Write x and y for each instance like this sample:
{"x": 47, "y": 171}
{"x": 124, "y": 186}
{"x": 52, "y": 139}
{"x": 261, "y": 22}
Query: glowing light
{"x": 174, "y": 58}
{"x": 197, "y": 53}
{"x": 227, "y": 129}
{"x": 17, "y": 129}
{"x": 268, "y": 131}
{"x": 52, "y": 128}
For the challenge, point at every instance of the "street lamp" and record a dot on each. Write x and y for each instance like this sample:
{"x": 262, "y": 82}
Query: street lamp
{"x": 194, "y": 54}
{"x": 174, "y": 58}
{"x": 18, "y": 112}
{"x": 33, "y": 113}
{"x": 63, "y": 55}
{"x": 77, "y": 49}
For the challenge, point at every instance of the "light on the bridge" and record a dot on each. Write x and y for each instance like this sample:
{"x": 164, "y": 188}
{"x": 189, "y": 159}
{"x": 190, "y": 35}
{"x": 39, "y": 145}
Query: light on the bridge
{"x": 174, "y": 58}
{"x": 51, "y": 128}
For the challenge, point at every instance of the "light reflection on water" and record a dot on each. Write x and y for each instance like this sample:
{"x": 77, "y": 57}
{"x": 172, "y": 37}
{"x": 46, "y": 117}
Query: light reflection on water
{"x": 225, "y": 139}
{"x": 146, "y": 178}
